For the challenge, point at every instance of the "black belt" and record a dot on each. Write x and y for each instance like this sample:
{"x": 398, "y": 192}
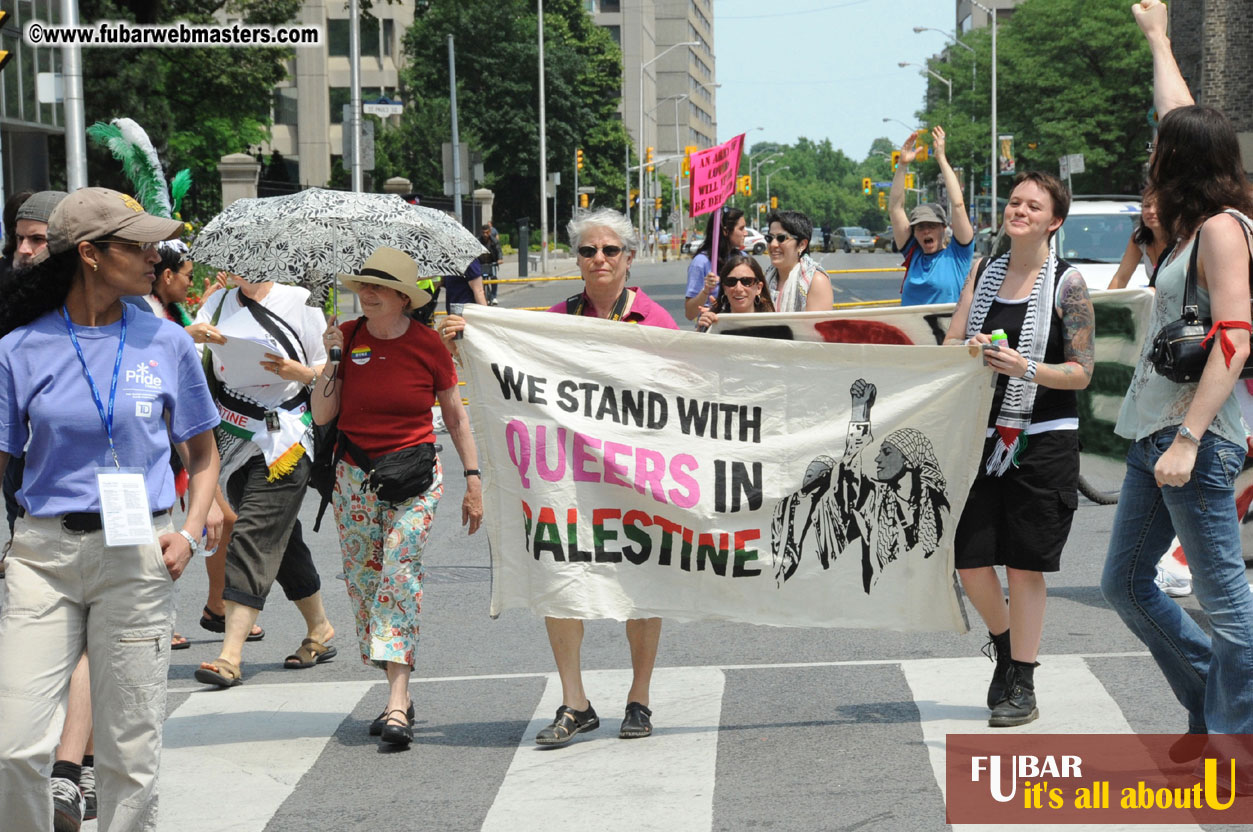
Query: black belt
{"x": 89, "y": 521}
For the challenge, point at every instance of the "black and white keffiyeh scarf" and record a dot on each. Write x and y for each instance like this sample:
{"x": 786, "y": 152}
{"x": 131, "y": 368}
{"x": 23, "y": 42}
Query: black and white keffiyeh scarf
{"x": 1015, "y": 414}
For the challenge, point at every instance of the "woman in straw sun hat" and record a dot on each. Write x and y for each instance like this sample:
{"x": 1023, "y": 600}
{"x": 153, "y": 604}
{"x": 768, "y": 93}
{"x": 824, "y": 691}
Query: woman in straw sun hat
{"x": 388, "y": 480}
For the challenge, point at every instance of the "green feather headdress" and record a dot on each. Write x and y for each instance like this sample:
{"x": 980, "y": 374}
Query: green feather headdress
{"x": 130, "y": 145}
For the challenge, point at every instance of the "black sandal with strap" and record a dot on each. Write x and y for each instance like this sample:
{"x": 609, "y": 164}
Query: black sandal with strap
{"x": 398, "y": 735}
{"x": 568, "y": 723}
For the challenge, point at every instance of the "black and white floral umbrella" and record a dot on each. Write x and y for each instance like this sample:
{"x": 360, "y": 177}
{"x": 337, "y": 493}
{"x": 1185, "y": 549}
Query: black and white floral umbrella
{"x": 310, "y": 237}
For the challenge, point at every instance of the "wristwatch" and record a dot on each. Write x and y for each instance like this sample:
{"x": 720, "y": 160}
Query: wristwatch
{"x": 196, "y": 548}
{"x": 1188, "y": 435}
{"x": 474, "y": 472}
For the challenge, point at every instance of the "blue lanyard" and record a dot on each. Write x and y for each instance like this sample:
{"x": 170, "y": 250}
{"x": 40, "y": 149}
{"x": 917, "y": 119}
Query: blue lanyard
{"x": 91, "y": 382}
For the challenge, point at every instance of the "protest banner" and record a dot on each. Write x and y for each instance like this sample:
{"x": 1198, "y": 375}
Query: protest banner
{"x": 632, "y": 472}
{"x": 713, "y": 175}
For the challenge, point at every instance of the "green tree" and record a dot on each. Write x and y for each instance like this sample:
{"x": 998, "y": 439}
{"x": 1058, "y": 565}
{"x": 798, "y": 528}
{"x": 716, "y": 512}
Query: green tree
{"x": 197, "y": 104}
{"x": 498, "y": 106}
{"x": 1073, "y": 76}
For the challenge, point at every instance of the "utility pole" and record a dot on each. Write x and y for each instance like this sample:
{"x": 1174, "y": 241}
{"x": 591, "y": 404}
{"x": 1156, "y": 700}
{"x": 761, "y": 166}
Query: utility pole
{"x": 456, "y": 134}
{"x": 354, "y": 78}
{"x": 543, "y": 152}
{"x": 75, "y": 129}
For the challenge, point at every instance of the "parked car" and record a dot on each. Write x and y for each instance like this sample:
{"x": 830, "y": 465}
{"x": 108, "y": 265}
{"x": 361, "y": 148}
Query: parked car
{"x": 694, "y": 243}
{"x": 815, "y": 240}
{"x": 850, "y": 238}
{"x": 885, "y": 240}
{"x": 754, "y": 241}
{"x": 1095, "y": 236}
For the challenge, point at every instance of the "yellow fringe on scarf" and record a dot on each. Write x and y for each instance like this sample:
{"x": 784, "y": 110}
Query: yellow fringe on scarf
{"x": 286, "y": 463}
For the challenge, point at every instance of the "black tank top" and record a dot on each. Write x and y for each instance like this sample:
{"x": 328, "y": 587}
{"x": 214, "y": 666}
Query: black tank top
{"x": 1050, "y": 404}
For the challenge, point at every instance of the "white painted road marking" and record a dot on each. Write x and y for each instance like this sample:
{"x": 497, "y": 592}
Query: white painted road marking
{"x": 610, "y": 775}
{"x": 951, "y": 696}
{"x": 250, "y": 746}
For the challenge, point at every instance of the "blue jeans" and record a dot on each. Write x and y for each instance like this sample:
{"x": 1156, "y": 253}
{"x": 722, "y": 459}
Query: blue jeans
{"x": 1211, "y": 678}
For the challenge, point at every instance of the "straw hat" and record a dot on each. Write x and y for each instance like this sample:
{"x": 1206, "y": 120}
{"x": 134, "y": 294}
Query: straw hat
{"x": 394, "y": 269}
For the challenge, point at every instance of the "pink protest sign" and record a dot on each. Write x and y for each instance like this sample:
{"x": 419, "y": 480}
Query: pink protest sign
{"x": 713, "y": 175}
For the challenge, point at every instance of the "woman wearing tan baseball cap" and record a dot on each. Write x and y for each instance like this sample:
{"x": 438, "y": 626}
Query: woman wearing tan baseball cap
{"x": 91, "y": 391}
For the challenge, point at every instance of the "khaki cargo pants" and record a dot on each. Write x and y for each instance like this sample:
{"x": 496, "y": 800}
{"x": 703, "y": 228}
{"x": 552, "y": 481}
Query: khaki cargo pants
{"x": 67, "y": 592}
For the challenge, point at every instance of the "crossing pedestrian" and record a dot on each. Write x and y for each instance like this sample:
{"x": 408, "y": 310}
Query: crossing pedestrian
{"x": 606, "y": 244}
{"x": 95, "y": 447}
{"x": 1020, "y": 507}
{"x": 1189, "y": 439}
{"x": 388, "y": 479}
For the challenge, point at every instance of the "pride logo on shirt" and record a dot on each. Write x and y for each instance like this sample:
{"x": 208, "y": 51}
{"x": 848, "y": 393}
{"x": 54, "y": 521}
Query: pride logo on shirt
{"x": 360, "y": 355}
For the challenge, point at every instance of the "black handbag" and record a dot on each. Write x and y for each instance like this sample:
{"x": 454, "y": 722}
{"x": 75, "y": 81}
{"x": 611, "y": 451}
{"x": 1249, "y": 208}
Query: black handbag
{"x": 1182, "y": 347}
{"x": 398, "y": 476}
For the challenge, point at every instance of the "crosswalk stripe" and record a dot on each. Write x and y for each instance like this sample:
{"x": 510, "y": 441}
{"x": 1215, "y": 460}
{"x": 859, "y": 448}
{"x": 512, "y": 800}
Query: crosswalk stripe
{"x": 232, "y": 757}
{"x": 663, "y": 783}
{"x": 951, "y": 695}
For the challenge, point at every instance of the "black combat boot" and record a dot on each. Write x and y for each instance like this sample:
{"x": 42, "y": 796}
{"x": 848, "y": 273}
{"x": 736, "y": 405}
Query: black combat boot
{"x": 997, "y": 649}
{"x": 1017, "y": 707}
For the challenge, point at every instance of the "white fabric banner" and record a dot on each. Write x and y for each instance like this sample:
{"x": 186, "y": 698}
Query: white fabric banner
{"x": 632, "y": 472}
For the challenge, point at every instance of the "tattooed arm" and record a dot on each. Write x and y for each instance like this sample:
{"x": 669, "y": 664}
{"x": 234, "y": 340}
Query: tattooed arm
{"x": 1079, "y": 334}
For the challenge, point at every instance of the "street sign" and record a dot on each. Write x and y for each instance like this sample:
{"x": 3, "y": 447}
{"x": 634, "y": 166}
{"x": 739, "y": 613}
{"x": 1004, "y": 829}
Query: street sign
{"x": 367, "y": 141}
{"x": 378, "y": 108}
{"x": 1075, "y": 162}
{"x": 50, "y": 87}
{"x": 466, "y": 165}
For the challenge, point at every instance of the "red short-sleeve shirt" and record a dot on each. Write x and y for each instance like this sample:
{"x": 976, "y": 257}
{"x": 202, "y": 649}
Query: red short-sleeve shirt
{"x": 389, "y": 387}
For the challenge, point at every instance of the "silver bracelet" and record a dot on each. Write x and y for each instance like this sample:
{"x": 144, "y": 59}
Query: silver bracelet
{"x": 1030, "y": 374}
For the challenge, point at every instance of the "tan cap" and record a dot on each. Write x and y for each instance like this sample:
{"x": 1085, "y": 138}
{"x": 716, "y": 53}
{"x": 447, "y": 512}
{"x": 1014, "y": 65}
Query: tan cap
{"x": 394, "y": 269}
{"x": 928, "y": 212}
{"x": 95, "y": 213}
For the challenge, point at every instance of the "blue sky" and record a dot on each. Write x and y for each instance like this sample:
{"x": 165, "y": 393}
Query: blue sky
{"x": 823, "y": 68}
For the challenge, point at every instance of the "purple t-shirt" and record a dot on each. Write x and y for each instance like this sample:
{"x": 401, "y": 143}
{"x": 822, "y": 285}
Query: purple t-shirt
{"x": 45, "y": 399}
{"x": 643, "y": 311}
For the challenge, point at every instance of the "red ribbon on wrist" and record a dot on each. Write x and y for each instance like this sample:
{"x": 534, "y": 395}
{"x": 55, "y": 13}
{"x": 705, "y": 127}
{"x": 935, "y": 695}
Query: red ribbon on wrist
{"x": 1229, "y": 349}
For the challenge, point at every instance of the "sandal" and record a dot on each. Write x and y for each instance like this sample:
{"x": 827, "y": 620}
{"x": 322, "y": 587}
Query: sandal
{"x": 376, "y": 727}
{"x": 397, "y": 734}
{"x": 308, "y": 654}
{"x": 178, "y": 642}
{"x": 215, "y": 623}
{"x": 219, "y": 672}
{"x": 568, "y": 723}
{"x": 637, "y": 723}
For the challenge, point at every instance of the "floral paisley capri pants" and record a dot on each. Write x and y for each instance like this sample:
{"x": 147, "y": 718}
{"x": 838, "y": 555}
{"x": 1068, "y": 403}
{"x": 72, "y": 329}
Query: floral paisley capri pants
{"x": 382, "y": 547}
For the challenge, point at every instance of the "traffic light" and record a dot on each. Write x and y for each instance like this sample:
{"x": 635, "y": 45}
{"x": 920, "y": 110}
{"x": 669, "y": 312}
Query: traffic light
{"x": 648, "y": 159}
{"x": 582, "y": 200}
{"x": 578, "y": 158}
{"x": 5, "y": 54}
{"x": 635, "y": 197}
{"x": 687, "y": 158}
{"x": 909, "y": 181}
{"x": 923, "y": 153}
{"x": 761, "y": 209}
{"x": 774, "y": 203}
{"x": 657, "y": 204}
{"x": 865, "y": 186}
{"x": 746, "y": 185}
{"x": 883, "y": 200}
{"x": 896, "y": 159}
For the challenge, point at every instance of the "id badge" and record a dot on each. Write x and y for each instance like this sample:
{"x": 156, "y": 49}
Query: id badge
{"x": 124, "y": 507}
{"x": 271, "y": 421}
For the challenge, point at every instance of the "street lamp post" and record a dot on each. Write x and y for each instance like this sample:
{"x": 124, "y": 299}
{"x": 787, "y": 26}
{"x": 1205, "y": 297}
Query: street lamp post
{"x": 757, "y": 168}
{"x": 640, "y": 138}
{"x": 935, "y": 75}
{"x": 770, "y": 174}
{"x": 994, "y": 169}
{"x": 901, "y": 123}
{"x": 952, "y": 38}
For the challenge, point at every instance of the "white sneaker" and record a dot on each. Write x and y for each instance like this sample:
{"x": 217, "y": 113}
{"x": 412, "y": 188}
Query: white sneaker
{"x": 67, "y": 806}
{"x": 437, "y": 422}
{"x": 1173, "y": 585}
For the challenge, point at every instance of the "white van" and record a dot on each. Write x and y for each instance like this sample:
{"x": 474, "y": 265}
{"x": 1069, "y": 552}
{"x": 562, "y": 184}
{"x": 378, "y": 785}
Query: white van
{"x": 1095, "y": 236}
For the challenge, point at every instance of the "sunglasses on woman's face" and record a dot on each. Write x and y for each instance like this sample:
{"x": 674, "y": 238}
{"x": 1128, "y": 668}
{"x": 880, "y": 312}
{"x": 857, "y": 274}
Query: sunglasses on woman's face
{"x": 731, "y": 280}
{"x": 779, "y": 238}
{"x": 588, "y": 252}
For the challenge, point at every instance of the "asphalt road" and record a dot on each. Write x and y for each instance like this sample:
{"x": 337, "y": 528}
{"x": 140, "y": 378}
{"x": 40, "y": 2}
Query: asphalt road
{"x": 757, "y": 728}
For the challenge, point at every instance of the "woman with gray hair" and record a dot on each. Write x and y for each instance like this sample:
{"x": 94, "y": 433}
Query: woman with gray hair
{"x": 605, "y": 243}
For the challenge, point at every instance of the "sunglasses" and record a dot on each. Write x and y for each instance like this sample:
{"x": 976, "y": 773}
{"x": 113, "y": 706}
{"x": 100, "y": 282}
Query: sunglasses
{"x": 779, "y": 238}
{"x": 731, "y": 280}
{"x": 146, "y": 248}
{"x": 588, "y": 252}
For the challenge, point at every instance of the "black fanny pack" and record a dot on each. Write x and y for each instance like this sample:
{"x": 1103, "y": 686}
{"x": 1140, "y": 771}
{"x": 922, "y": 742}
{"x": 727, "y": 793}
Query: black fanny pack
{"x": 398, "y": 476}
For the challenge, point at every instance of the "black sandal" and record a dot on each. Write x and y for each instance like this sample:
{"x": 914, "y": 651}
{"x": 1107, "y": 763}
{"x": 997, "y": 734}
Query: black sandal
{"x": 568, "y": 723}
{"x": 215, "y": 623}
{"x": 376, "y": 727}
{"x": 637, "y": 723}
{"x": 398, "y": 735}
